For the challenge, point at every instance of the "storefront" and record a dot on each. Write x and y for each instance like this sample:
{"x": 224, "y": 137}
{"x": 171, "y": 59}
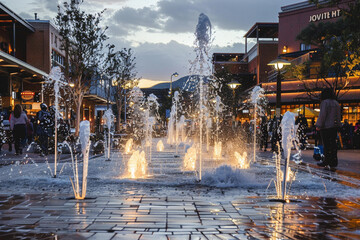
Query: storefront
{"x": 20, "y": 83}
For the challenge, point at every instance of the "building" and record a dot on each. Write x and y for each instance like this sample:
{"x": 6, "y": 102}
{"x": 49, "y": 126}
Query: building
{"x": 294, "y": 96}
{"x": 20, "y": 81}
{"x": 249, "y": 68}
{"x": 29, "y": 49}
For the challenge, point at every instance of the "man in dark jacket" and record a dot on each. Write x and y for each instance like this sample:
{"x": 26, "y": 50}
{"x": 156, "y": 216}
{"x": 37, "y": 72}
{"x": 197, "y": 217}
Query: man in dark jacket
{"x": 43, "y": 130}
{"x": 328, "y": 124}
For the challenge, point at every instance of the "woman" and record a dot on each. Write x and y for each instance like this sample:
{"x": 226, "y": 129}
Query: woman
{"x": 18, "y": 122}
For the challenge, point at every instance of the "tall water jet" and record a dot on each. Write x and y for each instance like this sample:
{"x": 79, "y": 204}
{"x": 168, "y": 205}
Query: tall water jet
{"x": 288, "y": 130}
{"x": 151, "y": 110}
{"x": 256, "y": 95}
{"x": 136, "y": 113}
{"x": 85, "y": 149}
{"x": 56, "y": 75}
{"x": 181, "y": 129}
{"x": 109, "y": 118}
{"x": 217, "y": 150}
{"x": 203, "y": 34}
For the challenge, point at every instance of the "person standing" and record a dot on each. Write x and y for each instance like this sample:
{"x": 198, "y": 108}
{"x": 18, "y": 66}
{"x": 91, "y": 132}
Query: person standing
{"x": 328, "y": 123}
{"x": 18, "y": 122}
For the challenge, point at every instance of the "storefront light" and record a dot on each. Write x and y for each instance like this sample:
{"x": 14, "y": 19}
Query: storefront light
{"x": 346, "y": 107}
{"x": 317, "y": 109}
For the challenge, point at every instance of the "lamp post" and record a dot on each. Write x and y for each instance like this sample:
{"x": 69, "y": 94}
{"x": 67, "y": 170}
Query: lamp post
{"x": 278, "y": 65}
{"x": 175, "y": 74}
{"x": 233, "y": 85}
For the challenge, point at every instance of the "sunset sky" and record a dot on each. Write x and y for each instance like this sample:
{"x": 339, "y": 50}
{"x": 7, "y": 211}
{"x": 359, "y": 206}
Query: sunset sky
{"x": 161, "y": 32}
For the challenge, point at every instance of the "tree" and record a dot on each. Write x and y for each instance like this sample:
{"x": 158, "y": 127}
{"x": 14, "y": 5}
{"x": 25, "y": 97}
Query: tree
{"x": 338, "y": 45}
{"x": 120, "y": 67}
{"x": 82, "y": 39}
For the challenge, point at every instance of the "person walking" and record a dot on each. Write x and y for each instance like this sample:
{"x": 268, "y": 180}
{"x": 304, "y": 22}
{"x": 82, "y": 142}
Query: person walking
{"x": 43, "y": 130}
{"x": 328, "y": 123}
{"x": 18, "y": 122}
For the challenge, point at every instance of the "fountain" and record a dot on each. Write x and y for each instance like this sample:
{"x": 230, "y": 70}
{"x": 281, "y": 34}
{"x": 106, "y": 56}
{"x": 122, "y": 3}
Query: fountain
{"x": 109, "y": 118}
{"x": 56, "y": 75}
{"x": 85, "y": 149}
{"x": 160, "y": 146}
{"x": 189, "y": 163}
{"x": 137, "y": 165}
{"x": 241, "y": 160}
{"x": 201, "y": 67}
{"x": 256, "y": 95}
{"x": 288, "y": 130}
{"x": 128, "y": 146}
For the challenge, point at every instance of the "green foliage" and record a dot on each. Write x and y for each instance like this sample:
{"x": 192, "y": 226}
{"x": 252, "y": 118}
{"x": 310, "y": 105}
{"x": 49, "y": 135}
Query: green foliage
{"x": 82, "y": 40}
{"x": 120, "y": 68}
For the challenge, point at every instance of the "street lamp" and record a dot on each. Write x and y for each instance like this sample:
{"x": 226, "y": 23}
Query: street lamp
{"x": 174, "y": 74}
{"x": 233, "y": 85}
{"x": 278, "y": 64}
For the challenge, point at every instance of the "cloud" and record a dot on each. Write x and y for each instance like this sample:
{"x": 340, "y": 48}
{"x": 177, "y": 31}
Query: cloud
{"x": 158, "y": 61}
{"x": 135, "y": 18}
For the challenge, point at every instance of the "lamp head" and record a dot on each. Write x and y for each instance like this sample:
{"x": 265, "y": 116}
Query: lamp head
{"x": 233, "y": 84}
{"x": 175, "y": 74}
{"x": 279, "y": 63}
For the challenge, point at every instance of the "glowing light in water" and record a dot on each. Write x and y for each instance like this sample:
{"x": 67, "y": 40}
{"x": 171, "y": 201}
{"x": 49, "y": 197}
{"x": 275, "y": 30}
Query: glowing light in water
{"x": 241, "y": 160}
{"x": 137, "y": 165}
{"x": 128, "y": 146}
{"x": 190, "y": 159}
{"x": 160, "y": 146}
{"x": 217, "y": 150}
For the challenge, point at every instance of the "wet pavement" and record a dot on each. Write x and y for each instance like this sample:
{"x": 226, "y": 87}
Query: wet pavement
{"x": 145, "y": 217}
{"x": 170, "y": 214}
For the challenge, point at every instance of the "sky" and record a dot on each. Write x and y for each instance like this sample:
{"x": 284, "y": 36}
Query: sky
{"x": 161, "y": 32}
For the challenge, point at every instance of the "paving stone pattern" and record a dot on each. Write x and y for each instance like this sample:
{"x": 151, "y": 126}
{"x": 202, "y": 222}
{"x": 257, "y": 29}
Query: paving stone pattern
{"x": 46, "y": 216}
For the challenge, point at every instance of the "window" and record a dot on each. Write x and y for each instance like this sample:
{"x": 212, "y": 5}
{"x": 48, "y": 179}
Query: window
{"x": 304, "y": 47}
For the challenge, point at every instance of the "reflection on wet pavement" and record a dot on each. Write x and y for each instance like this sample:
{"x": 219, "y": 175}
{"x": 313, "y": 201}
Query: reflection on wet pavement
{"x": 146, "y": 217}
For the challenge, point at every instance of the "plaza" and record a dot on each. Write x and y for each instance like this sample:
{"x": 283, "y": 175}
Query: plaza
{"x": 172, "y": 204}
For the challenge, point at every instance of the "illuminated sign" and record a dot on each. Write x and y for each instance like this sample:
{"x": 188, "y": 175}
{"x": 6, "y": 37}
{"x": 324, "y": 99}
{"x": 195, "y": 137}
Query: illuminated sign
{"x": 325, "y": 15}
{"x": 27, "y": 95}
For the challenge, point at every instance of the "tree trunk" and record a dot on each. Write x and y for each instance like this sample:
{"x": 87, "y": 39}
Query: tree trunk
{"x": 78, "y": 113}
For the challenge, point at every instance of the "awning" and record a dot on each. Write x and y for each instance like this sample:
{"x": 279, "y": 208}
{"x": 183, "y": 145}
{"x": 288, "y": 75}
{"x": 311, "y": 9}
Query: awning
{"x": 97, "y": 99}
{"x": 21, "y": 69}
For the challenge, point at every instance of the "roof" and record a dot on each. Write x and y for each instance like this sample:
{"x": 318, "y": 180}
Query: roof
{"x": 22, "y": 69}
{"x": 7, "y": 17}
{"x": 265, "y": 30}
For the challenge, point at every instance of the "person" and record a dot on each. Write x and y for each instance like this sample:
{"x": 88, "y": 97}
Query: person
{"x": 30, "y": 130}
{"x": 357, "y": 135}
{"x": 328, "y": 123}
{"x": 346, "y": 134}
{"x": 18, "y": 122}
{"x": 43, "y": 130}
